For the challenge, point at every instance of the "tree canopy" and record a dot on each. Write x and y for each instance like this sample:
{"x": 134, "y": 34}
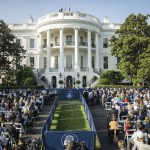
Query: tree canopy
{"x": 132, "y": 45}
{"x": 11, "y": 52}
{"x": 110, "y": 77}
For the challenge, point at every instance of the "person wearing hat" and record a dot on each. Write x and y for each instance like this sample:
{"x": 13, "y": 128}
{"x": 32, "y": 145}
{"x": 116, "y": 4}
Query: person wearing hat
{"x": 139, "y": 143}
{"x": 133, "y": 138}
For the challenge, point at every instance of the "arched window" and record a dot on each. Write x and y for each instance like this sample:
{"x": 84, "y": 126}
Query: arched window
{"x": 84, "y": 81}
{"x": 69, "y": 82}
{"x": 54, "y": 81}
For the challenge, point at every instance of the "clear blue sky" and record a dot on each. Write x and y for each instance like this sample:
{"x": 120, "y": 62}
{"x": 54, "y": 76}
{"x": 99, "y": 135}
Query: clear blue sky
{"x": 17, "y": 11}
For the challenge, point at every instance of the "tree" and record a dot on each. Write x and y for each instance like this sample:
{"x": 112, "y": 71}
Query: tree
{"x": 25, "y": 75}
{"x": 110, "y": 77}
{"x": 11, "y": 52}
{"x": 131, "y": 45}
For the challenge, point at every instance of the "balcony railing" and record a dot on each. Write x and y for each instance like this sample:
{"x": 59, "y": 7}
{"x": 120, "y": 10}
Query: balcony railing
{"x": 83, "y": 44}
{"x": 69, "y": 43}
{"x": 93, "y": 45}
{"x": 44, "y": 46}
{"x": 56, "y": 44}
{"x": 69, "y": 69}
{"x": 84, "y": 69}
{"x": 53, "y": 69}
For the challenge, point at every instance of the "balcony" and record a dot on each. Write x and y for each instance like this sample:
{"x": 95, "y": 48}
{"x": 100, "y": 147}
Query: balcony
{"x": 69, "y": 43}
{"x": 69, "y": 69}
{"x": 83, "y": 44}
{"x": 55, "y": 69}
{"x": 84, "y": 69}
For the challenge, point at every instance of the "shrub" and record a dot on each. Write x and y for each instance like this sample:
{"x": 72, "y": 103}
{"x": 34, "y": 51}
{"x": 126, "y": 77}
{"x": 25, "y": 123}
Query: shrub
{"x": 104, "y": 81}
{"x": 61, "y": 82}
{"x": 78, "y": 82}
{"x": 30, "y": 81}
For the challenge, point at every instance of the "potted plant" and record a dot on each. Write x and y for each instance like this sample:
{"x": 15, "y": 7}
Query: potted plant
{"x": 78, "y": 82}
{"x": 61, "y": 82}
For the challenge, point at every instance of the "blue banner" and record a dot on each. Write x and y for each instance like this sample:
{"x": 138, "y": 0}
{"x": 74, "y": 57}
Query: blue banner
{"x": 55, "y": 140}
{"x": 68, "y": 94}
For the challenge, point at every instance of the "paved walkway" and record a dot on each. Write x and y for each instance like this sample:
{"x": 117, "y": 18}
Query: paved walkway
{"x": 100, "y": 119}
{"x": 40, "y": 122}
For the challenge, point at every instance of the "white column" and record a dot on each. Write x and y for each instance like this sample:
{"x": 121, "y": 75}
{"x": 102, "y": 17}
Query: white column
{"x": 89, "y": 51}
{"x": 48, "y": 51}
{"x": 76, "y": 66}
{"x": 26, "y": 48}
{"x": 41, "y": 63}
{"x": 61, "y": 59}
{"x": 97, "y": 51}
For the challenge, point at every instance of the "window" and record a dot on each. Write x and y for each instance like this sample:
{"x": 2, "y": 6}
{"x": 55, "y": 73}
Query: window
{"x": 45, "y": 62}
{"x": 56, "y": 62}
{"x": 32, "y": 61}
{"x": 92, "y": 43}
{"x": 93, "y": 62}
{"x": 81, "y": 61}
{"x": 18, "y": 41}
{"x": 31, "y": 43}
{"x": 68, "y": 40}
{"x": 105, "y": 42}
{"x": 81, "y": 39}
{"x": 105, "y": 60}
{"x": 84, "y": 81}
{"x": 68, "y": 61}
{"x": 45, "y": 43}
{"x": 56, "y": 41}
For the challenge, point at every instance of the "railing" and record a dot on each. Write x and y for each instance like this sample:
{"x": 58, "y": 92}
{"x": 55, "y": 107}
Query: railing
{"x": 84, "y": 69}
{"x": 69, "y": 43}
{"x": 47, "y": 84}
{"x": 55, "y": 44}
{"x": 98, "y": 71}
{"x": 44, "y": 46}
{"x": 40, "y": 72}
{"x": 53, "y": 69}
{"x": 93, "y": 45}
{"x": 68, "y": 69}
{"x": 89, "y": 83}
{"x": 83, "y": 44}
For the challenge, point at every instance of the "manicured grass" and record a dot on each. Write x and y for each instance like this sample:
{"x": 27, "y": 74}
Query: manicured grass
{"x": 70, "y": 115}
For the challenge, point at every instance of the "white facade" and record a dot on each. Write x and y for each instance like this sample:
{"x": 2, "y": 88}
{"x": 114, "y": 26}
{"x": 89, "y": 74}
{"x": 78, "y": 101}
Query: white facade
{"x": 67, "y": 46}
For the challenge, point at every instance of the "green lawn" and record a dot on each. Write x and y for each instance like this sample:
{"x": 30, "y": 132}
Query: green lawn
{"x": 70, "y": 116}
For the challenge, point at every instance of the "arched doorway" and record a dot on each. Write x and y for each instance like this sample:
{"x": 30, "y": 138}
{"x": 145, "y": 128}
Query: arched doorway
{"x": 84, "y": 81}
{"x": 54, "y": 81}
{"x": 69, "y": 82}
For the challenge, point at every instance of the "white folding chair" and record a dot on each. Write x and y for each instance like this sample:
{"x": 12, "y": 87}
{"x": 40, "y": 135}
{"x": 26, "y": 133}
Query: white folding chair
{"x": 129, "y": 133}
{"x": 108, "y": 106}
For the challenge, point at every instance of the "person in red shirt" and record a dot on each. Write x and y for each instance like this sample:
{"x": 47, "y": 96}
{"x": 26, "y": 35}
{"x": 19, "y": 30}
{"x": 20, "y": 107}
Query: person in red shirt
{"x": 125, "y": 100}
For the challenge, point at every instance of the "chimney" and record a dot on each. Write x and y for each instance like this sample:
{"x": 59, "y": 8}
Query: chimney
{"x": 30, "y": 19}
{"x": 106, "y": 20}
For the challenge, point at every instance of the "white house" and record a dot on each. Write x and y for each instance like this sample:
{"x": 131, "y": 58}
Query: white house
{"x": 67, "y": 46}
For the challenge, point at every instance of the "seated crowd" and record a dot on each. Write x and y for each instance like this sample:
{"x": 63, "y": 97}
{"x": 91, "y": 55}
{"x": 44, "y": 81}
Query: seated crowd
{"x": 128, "y": 112}
{"x": 18, "y": 113}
